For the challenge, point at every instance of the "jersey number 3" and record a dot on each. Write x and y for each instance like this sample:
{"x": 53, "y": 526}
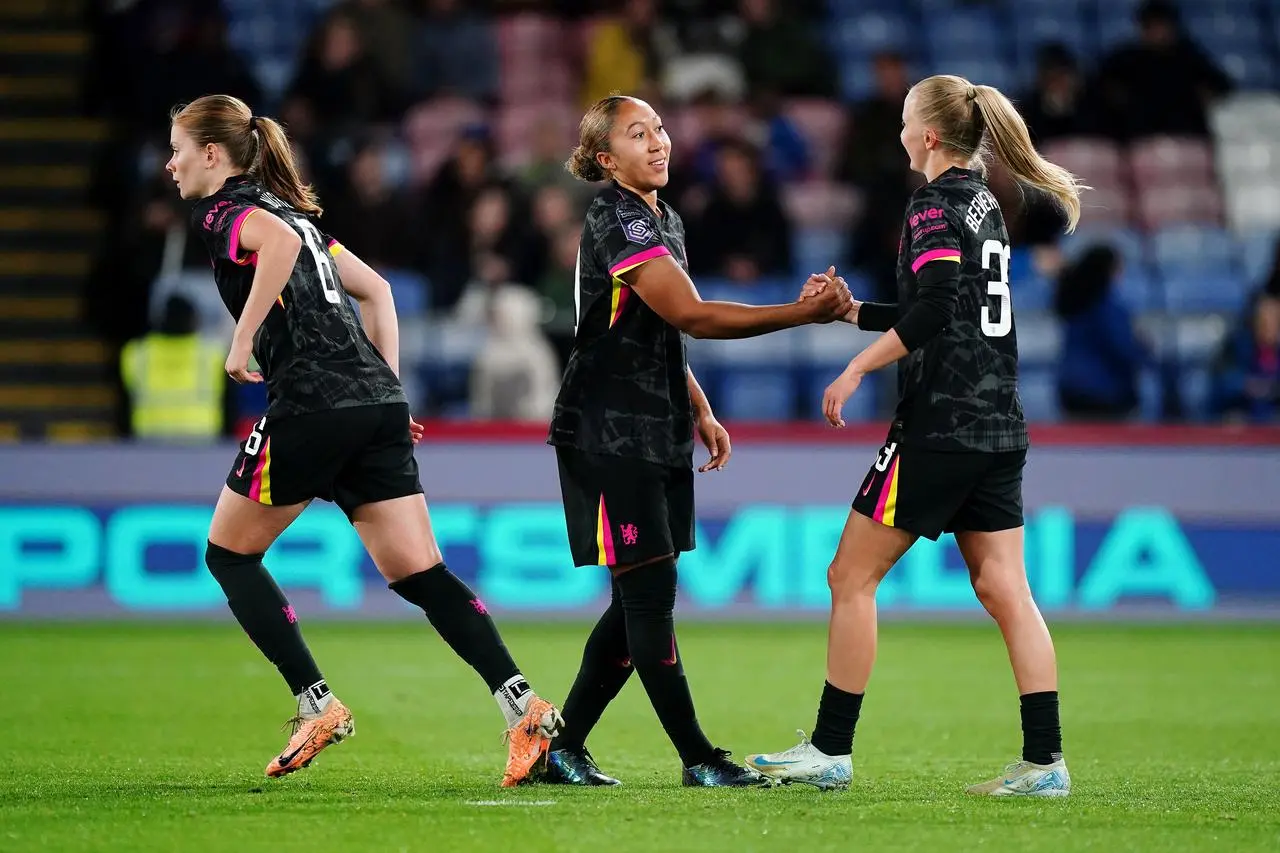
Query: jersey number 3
{"x": 311, "y": 239}
{"x": 999, "y": 288}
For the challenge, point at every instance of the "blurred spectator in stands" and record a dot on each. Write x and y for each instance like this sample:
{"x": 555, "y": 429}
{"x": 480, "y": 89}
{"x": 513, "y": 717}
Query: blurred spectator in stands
{"x": 451, "y": 194}
{"x": 871, "y": 143}
{"x": 386, "y": 30}
{"x": 457, "y": 52}
{"x": 558, "y": 285}
{"x": 1246, "y": 373}
{"x": 742, "y": 233}
{"x": 627, "y": 52}
{"x": 780, "y": 52}
{"x": 516, "y": 376}
{"x": 1102, "y": 355}
{"x": 377, "y": 220}
{"x": 338, "y": 86}
{"x": 784, "y": 150}
{"x": 1163, "y": 82}
{"x": 1057, "y": 106}
{"x": 175, "y": 379}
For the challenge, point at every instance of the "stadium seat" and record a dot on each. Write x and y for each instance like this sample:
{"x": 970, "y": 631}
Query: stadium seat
{"x": 1193, "y": 248}
{"x": 1038, "y": 390}
{"x": 1190, "y": 292}
{"x": 1097, "y": 161}
{"x": 864, "y": 33}
{"x": 1257, "y": 252}
{"x": 411, "y": 291}
{"x": 517, "y": 123}
{"x": 1039, "y": 338}
{"x": 821, "y": 204}
{"x": 760, "y": 393}
{"x": 817, "y": 248}
{"x": 1254, "y": 207}
{"x": 1106, "y": 206}
{"x": 432, "y": 127}
{"x": 1171, "y": 159}
{"x": 1249, "y": 69}
{"x": 1129, "y": 243}
{"x": 1165, "y": 204}
{"x": 1197, "y": 339}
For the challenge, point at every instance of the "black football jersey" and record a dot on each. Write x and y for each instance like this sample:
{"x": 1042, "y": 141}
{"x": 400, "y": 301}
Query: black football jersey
{"x": 960, "y": 390}
{"x": 625, "y": 390}
{"x": 312, "y": 349}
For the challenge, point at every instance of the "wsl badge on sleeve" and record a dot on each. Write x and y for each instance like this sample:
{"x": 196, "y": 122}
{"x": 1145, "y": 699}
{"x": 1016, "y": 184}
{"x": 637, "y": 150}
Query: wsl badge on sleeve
{"x": 636, "y": 225}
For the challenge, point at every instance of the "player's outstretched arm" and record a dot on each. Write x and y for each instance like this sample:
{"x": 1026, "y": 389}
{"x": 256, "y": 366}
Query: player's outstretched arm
{"x": 665, "y": 288}
{"x": 277, "y": 247}
{"x": 377, "y": 307}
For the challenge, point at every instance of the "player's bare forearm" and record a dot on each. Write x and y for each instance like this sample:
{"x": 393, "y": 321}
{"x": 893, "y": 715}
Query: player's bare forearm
{"x": 887, "y": 349}
{"x": 701, "y": 406}
{"x": 382, "y": 326}
{"x": 276, "y": 260}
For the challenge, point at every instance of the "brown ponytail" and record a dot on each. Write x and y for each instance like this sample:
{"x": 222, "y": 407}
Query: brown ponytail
{"x": 593, "y": 139}
{"x": 255, "y": 144}
{"x": 973, "y": 120}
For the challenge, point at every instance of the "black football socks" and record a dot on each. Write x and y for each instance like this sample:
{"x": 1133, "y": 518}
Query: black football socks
{"x": 268, "y": 618}
{"x": 462, "y": 621}
{"x": 606, "y": 666}
{"x": 1041, "y": 731}
{"x": 648, "y": 605}
{"x": 837, "y": 718}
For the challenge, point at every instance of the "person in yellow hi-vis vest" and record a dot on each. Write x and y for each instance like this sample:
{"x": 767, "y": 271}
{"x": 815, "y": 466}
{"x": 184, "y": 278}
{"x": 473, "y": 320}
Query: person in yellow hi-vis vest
{"x": 175, "y": 379}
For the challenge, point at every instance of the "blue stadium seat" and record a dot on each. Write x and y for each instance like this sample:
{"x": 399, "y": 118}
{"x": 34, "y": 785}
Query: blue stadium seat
{"x": 1138, "y": 288}
{"x": 1031, "y": 290}
{"x": 1257, "y": 251}
{"x": 864, "y": 33}
{"x": 1193, "y": 248}
{"x": 1194, "y": 386}
{"x": 756, "y": 394}
{"x": 1191, "y": 292}
{"x": 1038, "y": 390}
{"x": 1250, "y": 69}
{"x": 815, "y": 249}
{"x": 1115, "y": 24}
{"x": 411, "y": 291}
{"x": 862, "y": 406}
{"x": 1039, "y": 339}
{"x": 977, "y": 69}
{"x": 1128, "y": 242}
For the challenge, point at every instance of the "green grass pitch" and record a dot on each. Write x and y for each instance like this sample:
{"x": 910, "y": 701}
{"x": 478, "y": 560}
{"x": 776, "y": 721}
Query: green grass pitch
{"x": 154, "y": 737}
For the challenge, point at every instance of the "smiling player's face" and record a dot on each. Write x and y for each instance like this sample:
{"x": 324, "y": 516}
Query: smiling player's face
{"x": 640, "y": 148}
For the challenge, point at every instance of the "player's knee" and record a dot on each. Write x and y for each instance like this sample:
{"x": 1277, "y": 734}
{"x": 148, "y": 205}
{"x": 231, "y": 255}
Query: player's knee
{"x": 222, "y": 561}
{"x": 847, "y": 579}
{"x": 1001, "y": 593}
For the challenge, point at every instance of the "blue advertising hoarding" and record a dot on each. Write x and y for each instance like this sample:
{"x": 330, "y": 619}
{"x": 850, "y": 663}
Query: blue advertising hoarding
{"x": 1171, "y": 530}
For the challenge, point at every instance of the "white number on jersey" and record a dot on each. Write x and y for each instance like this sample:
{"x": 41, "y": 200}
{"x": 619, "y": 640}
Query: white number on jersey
{"x": 311, "y": 239}
{"x": 998, "y": 288}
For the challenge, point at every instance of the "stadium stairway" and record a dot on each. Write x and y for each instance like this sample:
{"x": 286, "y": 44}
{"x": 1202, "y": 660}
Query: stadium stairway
{"x": 54, "y": 374}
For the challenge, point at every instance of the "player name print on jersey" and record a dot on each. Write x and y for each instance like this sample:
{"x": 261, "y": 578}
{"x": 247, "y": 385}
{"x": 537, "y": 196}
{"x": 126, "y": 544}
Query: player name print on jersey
{"x": 312, "y": 349}
{"x": 960, "y": 390}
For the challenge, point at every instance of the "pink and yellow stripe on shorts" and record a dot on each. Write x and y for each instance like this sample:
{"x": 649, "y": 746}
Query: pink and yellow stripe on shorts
{"x": 887, "y": 505}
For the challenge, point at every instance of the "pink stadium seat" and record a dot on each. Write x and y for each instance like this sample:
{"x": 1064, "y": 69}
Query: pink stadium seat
{"x": 1174, "y": 204}
{"x": 1163, "y": 159}
{"x": 518, "y": 124}
{"x": 821, "y": 122}
{"x": 1106, "y": 205}
{"x": 1097, "y": 161}
{"x": 430, "y": 129}
{"x": 530, "y": 34}
{"x": 821, "y": 204}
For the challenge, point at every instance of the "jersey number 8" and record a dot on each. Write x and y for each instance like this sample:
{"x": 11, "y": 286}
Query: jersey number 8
{"x": 311, "y": 239}
{"x": 998, "y": 288}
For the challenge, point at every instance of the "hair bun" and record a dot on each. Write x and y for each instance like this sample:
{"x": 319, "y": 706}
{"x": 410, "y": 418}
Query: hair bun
{"x": 972, "y": 92}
